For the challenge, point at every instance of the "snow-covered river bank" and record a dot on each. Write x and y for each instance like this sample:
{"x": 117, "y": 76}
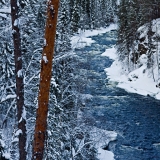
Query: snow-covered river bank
{"x": 133, "y": 117}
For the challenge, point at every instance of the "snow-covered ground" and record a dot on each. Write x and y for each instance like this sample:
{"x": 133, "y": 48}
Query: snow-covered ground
{"x": 102, "y": 138}
{"x": 138, "y": 81}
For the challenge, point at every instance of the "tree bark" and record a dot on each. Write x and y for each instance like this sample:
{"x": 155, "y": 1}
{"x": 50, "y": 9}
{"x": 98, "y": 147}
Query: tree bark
{"x": 19, "y": 80}
{"x": 45, "y": 77}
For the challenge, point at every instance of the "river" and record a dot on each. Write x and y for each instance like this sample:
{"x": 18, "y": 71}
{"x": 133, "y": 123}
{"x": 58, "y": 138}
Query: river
{"x": 135, "y": 118}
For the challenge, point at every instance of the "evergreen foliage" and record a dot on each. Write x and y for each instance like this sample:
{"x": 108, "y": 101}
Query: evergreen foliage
{"x": 66, "y": 133}
{"x": 132, "y": 15}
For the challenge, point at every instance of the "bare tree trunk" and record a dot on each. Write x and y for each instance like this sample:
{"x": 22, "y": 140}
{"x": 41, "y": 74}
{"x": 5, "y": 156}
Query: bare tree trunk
{"x": 19, "y": 80}
{"x": 45, "y": 77}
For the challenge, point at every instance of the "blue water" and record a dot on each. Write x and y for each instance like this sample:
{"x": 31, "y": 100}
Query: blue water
{"x": 135, "y": 118}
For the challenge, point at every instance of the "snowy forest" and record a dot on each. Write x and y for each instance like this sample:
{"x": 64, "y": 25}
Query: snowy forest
{"x": 22, "y": 24}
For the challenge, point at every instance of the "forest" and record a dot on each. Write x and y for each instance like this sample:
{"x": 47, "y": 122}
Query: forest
{"x": 66, "y": 135}
{"x": 132, "y": 15}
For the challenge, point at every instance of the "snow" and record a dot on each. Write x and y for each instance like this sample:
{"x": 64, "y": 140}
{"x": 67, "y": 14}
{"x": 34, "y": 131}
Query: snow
{"x": 8, "y": 97}
{"x": 17, "y": 3}
{"x": 5, "y": 10}
{"x": 80, "y": 42}
{"x": 143, "y": 31}
{"x": 6, "y": 155}
{"x": 141, "y": 80}
{"x": 82, "y": 38}
{"x": 16, "y": 23}
{"x": 2, "y": 143}
{"x": 45, "y": 42}
{"x": 18, "y": 132}
{"x": 24, "y": 113}
{"x": 138, "y": 81}
{"x": 15, "y": 140}
{"x": 105, "y": 155}
{"x": 20, "y": 120}
{"x": 45, "y": 59}
{"x": 20, "y": 73}
{"x": 102, "y": 138}
{"x": 156, "y": 25}
{"x": 118, "y": 2}
{"x": 13, "y": 31}
{"x": 53, "y": 82}
{"x": 73, "y": 152}
{"x": 19, "y": 58}
{"x": 110, "y": 52}
{"x": 3, "y": 15}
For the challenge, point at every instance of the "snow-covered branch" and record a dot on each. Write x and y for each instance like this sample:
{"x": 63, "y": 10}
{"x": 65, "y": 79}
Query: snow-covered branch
{"x": 8, "y": 97}
{"x": 5, "y": 10}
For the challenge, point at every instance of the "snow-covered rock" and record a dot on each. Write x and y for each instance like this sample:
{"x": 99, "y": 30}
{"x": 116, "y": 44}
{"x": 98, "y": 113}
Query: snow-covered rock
{"x": 102, "y": 138}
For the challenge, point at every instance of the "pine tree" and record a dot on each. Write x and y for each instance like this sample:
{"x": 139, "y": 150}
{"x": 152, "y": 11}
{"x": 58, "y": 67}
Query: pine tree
{"x": 136, "y": 13}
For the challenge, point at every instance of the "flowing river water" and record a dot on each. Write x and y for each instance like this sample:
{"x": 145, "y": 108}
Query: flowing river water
{"x": 135, "y": 118}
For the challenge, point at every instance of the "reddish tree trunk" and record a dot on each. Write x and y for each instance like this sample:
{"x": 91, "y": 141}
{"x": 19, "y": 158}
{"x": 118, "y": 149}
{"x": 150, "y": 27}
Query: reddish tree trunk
{"x": 19, "y": 80}
{"x": 45, "y": 77}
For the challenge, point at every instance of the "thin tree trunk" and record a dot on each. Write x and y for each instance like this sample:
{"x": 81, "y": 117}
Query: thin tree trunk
{"x": 19, "y": 80}
{"x": 45, "y": 77}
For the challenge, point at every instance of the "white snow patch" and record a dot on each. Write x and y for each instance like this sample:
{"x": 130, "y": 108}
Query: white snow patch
{"x": 19, "y": 58}
{"x": 143, "y": 30}
{"x": 20, "y": 73}
{"x": 118, "y": 2}
{"x": 5, "y": 10}
{"x": 49, "y": 132}
{"x": 80, "y": 42}
{"x": 24, "y": 113}
{"x": 16, "y": 23}
{"x": 15, "y": 140}
{"x": 3, "y": 15}
{"x": 53, "y": 81}
{"x": 2, "y": 143}
{"x": 139, "y": 81}
{"x": 45, "y": 59}
{"x": 105, "y": 155}
{"x": 156, "y": 25}
{"x": 45, "y": 42}
{"x": 17, "y": 3}
{"x": 102, "y": 138}
{"x": 81, "y": 39}
{"x": 7, "y": 155}
{"x": 20, "y": 120}
{"x": 18, "y": 132}
{"x": 73, "y": 152}
{"x": 110, "y": 52}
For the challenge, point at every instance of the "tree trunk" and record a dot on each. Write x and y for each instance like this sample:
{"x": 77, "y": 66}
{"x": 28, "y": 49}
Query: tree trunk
{"x": 45, "y": 77}
{"x": 19, "y": 80}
